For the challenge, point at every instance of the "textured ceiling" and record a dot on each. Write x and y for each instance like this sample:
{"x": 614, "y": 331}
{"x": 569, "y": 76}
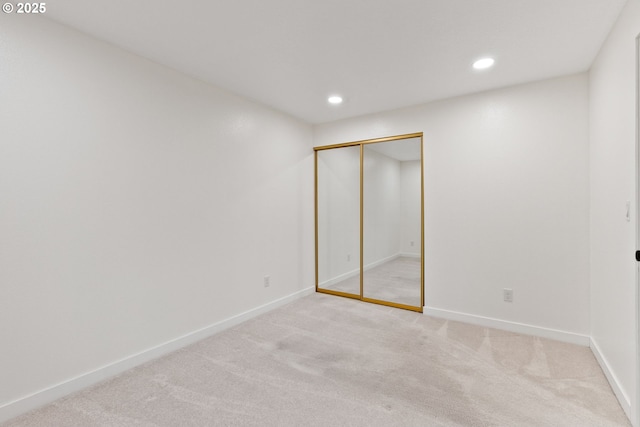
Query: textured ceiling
{"x": 379, "y": 54}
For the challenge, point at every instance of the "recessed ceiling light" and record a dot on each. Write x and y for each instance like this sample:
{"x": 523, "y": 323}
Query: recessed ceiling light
{"x": 483, "y": 63}
{"x": 335, "y": 100}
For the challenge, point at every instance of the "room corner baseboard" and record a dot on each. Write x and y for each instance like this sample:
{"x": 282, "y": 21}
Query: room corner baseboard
{"x": 624, "y": 401}
{"x": 506, "y": 325}
{"x": 554, "y": 334}
{"x": 40, "y": 398}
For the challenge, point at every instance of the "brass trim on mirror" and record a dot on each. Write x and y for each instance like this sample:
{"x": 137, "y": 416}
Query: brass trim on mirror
{"x": 361, "y": 221}
{"x": 421, "y": 222}
{"x": 392, "y": 304}
{"x": 315, "y": 204}
{"x": 369, "y": 141}
{"x": 339, "y": 293}
{"x": 361, "y": 297}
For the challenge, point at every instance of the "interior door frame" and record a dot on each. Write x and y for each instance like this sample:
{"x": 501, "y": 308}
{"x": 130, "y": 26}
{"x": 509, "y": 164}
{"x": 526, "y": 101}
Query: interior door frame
{"x": 362, "y": 144}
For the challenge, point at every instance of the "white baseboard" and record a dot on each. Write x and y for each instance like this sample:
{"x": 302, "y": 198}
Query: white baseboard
{"x": 625, "y": 403}
{"x": 42, "y": 397}
{"x": 409, "y": 255}
{"x": 554, "y": 334}
{"x": 381, "y": 261}
{"x": 340, "y": 278}
{"x": 352, "y": 273}
{"x": 506, "y": 325}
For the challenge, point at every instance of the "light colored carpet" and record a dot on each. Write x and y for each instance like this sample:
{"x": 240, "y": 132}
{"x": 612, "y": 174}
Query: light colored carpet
{"x": 330, "y": 361}
{"x": 397, "y": 281}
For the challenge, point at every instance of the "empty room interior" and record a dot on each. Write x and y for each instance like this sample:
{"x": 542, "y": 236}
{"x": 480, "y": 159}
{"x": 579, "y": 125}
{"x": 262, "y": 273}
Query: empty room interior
{"x": 279, "y": 212}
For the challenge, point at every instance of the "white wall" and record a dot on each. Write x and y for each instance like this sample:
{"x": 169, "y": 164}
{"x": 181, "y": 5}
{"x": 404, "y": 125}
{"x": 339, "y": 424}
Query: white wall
{"x": 338, "y": 214}
{"x": 410, "y": 207}
{"x": 613, "y": 182}
{"x": 506, "y": 201}
{"x": 138, "y": 205}
{"x": 381, "y": 225}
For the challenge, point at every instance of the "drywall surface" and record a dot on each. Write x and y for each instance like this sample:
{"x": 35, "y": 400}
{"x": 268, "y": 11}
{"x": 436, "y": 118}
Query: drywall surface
{"x": 381, "y": 199}
{"x": 613, "y": 183}
{"x": 506, "y": 199}
{"x": 138, "y": 205}
{"x": 338, "y": 214}
{"x": 410, "y": 207}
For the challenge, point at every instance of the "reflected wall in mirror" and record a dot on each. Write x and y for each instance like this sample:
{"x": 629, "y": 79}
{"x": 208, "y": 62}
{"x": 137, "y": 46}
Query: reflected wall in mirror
{"x": 392, "y": 226}
{"x": 338, "y": 220}
{"x": 369, "y": 210}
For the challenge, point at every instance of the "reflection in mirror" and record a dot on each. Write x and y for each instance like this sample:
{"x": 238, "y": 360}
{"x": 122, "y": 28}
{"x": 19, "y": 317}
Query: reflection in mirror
{"x": 338, "y": 223}
{"x": 392, "y": 222}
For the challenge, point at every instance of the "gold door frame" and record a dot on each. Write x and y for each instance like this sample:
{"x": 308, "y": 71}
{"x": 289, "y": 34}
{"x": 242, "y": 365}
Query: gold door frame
{"x": 361, "y": 144}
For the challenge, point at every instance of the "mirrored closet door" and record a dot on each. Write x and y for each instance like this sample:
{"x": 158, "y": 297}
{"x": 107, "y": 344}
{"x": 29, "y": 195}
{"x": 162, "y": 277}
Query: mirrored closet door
{"x": 338, "y": 221}
{"x": 369, "y": 210}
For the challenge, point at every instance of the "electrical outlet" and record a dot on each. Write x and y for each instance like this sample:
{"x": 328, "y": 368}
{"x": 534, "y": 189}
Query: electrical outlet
{"x": 507, "y": 294}
{"x": 267, "y": 281}
{"x": 412, "y": 243}
{"x": 348, "y": 257}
